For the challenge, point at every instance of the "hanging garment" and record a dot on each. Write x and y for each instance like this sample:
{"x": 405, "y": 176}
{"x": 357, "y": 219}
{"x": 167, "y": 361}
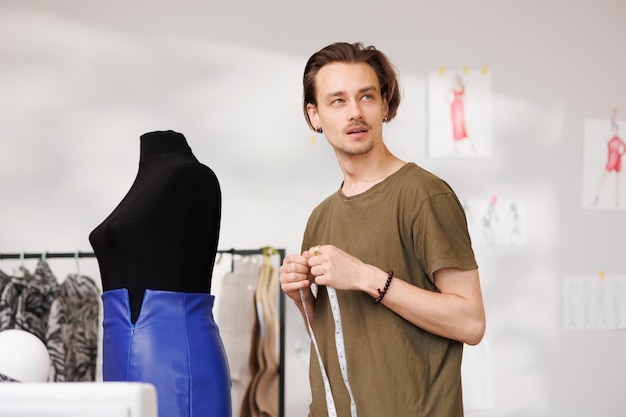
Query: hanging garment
{"x": 262, "y": 395}
{"x": 63, "y": 316}
{"x": 174, "y": 345}
{"x": 25, "y": 301}
{"x": 237, "y": 316}
{"x": 4, "y": 280}
{"x": 72, "y": 337}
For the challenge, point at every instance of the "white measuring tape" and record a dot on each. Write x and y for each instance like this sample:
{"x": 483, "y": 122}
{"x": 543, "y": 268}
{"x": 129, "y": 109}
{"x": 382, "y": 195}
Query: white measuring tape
{"x": 341, "y": 353}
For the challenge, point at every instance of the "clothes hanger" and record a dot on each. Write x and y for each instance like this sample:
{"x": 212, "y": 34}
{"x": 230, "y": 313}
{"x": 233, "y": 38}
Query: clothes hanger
{"x": 77, "y": 260}
{"x": 21, "y": 270}
{"x": 43, "y": 261}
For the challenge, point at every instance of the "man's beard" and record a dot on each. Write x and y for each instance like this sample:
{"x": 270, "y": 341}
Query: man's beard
{"x": 358, "y": 149}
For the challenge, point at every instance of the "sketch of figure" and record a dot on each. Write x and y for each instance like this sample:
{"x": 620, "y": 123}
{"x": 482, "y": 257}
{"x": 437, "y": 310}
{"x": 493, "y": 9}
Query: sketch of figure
{"x": 616, "y": 149}
{"x": 516, "y": 232}
{"x": 489, "y": 218}
{"x": 457, "y": 112}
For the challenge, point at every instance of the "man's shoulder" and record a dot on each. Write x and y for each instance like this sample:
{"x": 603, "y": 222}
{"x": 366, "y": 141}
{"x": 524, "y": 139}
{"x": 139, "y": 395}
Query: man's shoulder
{"x": 413, "y": 176}
{"x": 324, "y": 204}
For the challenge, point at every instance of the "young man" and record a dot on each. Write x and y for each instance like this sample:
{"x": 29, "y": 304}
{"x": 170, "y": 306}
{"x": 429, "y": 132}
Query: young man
{"x": 398, "y": 290}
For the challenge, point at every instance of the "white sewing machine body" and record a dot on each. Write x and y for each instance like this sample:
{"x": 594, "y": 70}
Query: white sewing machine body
{"x": 78, "y": 399}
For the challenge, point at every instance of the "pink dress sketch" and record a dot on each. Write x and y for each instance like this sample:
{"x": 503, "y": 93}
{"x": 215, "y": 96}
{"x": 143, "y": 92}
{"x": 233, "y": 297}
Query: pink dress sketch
{"x": 457, "y": 112}
{"x": 616, "y": 149}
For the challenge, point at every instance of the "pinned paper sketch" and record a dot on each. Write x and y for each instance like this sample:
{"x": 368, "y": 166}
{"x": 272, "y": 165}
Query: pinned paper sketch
{"x": 604, "y": 147}
{"x": 459, "y": 113}
{"x": 595, "y": 302}
{"x": 496, "y": 222}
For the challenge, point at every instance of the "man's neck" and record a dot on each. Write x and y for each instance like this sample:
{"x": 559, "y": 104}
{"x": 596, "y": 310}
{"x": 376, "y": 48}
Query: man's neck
{"x": 362, "y": 172}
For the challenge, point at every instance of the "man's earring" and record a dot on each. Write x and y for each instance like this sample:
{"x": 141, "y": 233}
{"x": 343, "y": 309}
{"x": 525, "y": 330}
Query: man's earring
{"x": 385, "y": 120}
{"x": 318, "y": 129}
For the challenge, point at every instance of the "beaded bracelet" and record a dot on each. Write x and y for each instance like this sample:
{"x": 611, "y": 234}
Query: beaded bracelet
{"x": 381, "y": 293}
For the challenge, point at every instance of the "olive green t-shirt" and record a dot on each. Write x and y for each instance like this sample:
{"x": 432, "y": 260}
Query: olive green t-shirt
{"x": 411, "y": 223}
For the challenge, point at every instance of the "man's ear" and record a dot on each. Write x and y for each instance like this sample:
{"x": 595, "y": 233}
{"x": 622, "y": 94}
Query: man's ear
{"x": 385, "y": 107}
{"x": 311, "y": 110}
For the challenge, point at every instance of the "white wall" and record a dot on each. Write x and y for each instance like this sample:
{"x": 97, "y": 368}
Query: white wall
{"x": 80, "y": 82}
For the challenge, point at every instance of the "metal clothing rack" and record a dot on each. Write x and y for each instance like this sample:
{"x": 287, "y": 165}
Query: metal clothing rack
{"x": 47, "y": 255}
{"x": 241, "y": 252}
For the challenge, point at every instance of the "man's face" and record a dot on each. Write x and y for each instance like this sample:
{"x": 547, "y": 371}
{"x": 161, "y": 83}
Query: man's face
{"x": 350, "y": 108}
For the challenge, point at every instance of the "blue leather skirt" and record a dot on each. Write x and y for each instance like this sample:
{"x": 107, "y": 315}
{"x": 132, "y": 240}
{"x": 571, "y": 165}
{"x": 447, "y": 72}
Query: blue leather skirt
{"x": 174, "y": 345}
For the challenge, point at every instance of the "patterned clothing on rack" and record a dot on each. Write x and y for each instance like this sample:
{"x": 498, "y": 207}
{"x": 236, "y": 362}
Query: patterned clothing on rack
{"x": 65, "y": 317}
{"x": 72, "y": 337}
{"x": 4, "y": 280}
{"x": 25, "y": 301}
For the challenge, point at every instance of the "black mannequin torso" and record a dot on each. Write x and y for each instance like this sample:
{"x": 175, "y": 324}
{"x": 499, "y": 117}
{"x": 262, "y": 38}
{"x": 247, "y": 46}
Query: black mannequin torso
{"x": 164, "y": 234}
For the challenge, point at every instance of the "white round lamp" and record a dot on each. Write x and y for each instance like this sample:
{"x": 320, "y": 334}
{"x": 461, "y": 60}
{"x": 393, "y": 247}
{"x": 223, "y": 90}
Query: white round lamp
{"x": 23, "y": 356}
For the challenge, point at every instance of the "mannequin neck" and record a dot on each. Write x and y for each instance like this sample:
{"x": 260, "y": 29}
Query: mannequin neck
{"x": 162, "y": 143}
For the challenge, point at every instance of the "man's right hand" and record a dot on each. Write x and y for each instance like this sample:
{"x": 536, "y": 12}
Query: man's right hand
{"x": 294, "y": 275}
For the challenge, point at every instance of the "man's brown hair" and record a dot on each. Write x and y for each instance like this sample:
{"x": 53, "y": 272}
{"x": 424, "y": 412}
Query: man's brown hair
{"x": 352, "y": 53}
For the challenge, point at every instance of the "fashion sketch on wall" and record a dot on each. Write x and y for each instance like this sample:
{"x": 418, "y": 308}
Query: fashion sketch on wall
{"x": 594, "y": 301}
{"x": 604, "y": 147}
{"x": 496, "y": 221}
{"x": 459, "y": 113}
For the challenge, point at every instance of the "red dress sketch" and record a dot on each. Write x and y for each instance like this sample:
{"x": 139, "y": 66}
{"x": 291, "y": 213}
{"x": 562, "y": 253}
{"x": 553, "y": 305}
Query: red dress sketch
{"x": 616, "y": 147}
{"x": 458, "y": 114}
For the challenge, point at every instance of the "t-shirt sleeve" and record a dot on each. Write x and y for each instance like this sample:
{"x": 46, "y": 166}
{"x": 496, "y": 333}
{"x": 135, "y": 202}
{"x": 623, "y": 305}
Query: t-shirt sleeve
{"x": 308, "y": 231}
{"x": 441, "y": 237}
{"x": 305, "y": 242}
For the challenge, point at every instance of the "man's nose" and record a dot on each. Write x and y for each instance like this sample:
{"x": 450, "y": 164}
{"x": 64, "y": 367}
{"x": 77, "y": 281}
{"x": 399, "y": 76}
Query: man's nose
{"x": 355, "y": 112}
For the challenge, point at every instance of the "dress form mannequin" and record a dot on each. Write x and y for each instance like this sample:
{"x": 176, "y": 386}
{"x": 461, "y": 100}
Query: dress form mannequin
{"x": 156, "y": 253}
{"x": 164, "y": 233}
